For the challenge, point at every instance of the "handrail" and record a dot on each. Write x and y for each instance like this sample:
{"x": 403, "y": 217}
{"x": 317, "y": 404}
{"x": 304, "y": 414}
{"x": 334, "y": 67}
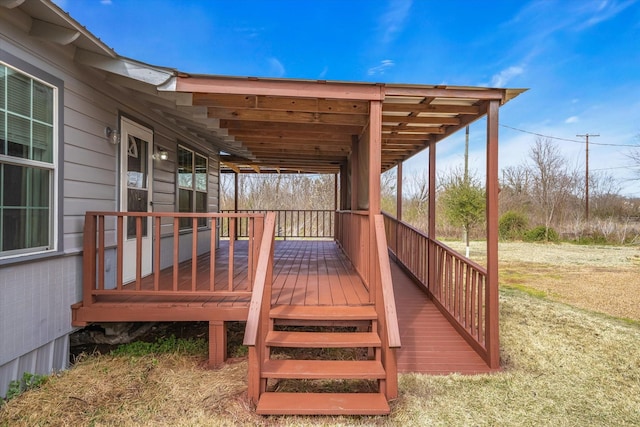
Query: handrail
{"x": 290, "y": 223}
{"x": 265, "y": 264}
{"x": 389, "y": 300}
{"x": 457, "y": 285}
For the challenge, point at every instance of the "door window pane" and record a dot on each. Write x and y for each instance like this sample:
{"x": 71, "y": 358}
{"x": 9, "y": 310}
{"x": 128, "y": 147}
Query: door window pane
{"x": 136, "y": 163}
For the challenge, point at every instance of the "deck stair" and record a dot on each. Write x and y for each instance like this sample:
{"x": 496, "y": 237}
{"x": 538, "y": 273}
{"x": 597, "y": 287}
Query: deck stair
{"x": 295, "y": 327}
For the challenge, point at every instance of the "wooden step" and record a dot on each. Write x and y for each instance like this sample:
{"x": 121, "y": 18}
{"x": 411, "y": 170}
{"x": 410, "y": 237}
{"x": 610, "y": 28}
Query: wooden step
{"x": 327, "y": 313}
{"x": 323, "y": 369}
{"x": 322, "y": 339}
{"x": 322, "y": 404}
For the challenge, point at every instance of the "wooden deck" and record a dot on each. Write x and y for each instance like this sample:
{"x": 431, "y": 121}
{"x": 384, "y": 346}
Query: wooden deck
{"x": 430, "y": 344}
{"x": 306, "y": 272}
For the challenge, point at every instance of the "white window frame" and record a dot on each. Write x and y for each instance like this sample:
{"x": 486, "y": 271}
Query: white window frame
{"x": 51, "y": 167}
{"x": 192, "y": 188}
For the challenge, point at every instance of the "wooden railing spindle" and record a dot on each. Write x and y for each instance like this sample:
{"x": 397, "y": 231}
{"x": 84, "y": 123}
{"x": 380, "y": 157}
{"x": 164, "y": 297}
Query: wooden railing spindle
{"x": 194, "y": 253}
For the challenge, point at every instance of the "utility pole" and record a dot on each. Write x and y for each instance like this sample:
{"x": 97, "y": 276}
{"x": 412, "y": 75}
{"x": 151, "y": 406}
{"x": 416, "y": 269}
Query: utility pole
{"x": 586, "y": 182}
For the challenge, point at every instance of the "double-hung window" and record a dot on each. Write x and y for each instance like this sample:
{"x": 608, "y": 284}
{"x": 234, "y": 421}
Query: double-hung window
{"x": 27, "y": 163}
{"x": 192, "y": 184}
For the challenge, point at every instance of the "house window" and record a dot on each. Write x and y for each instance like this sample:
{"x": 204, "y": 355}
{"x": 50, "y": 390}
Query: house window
{"x": 192, "y": 185}
{"x": 27, "y": 163}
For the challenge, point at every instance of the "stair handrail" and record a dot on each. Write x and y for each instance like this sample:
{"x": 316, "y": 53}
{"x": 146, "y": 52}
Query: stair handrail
{"x": 265, "y": 264}
{"x": 388, "y": 296}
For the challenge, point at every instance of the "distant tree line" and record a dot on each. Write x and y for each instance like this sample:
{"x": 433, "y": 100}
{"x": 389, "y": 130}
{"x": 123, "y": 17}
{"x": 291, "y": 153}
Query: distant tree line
{"x": 541, "y": 199}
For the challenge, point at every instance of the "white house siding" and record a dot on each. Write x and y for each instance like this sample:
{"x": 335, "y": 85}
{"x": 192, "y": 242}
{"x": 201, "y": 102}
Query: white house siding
{"x": 36, "y": 295}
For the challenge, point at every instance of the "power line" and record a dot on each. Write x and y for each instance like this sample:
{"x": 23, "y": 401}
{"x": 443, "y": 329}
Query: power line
{"x": 568, "y": 139}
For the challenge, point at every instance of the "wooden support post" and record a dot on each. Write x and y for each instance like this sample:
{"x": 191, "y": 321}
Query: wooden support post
{"x": 335, "y": 192}
{"x": 217, "y": 343}
{"x": 354, "y": 172}
{"x": 491, "y": 292}
{"x": 235, "y": 203}
{"x": 399, "y": 193}
{"x": 432, "y": 218}
{"x": 89, "y": 260}
{"x": 375, "y": 166}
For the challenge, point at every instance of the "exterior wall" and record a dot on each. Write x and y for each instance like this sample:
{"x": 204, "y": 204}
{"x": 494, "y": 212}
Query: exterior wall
{"x": 36, "y": 294}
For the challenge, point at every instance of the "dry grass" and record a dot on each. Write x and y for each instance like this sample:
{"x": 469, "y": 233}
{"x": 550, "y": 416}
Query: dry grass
{"x": 564, "y": 366}
{"x": 605, "y": 279}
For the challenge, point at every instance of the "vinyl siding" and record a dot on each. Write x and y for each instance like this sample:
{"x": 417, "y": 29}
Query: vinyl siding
{"x": 36, "y": 295}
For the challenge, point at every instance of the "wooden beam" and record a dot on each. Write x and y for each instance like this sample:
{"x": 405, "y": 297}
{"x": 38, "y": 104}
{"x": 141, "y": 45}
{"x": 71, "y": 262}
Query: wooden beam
{"x": 235, "y": 123}
{"x": 287, "y": 116}
{"x": 330, "y": 137}
{"x": 292, "y": 88}
{"x": 428, "y": 108}
{"x": 452, "y": 92}
{"x": 421, "y": 120}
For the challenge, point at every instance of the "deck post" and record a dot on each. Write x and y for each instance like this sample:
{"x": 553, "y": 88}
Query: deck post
{"x": 235, "y": 202}
{"x": 217, "y": 343}
{"x": 491, "y": 291}
{"x": 89, "y": 259}
{"x": 399, "y": 192}
{"x": 374, "y": 168}
{"x": 431, "y": 267}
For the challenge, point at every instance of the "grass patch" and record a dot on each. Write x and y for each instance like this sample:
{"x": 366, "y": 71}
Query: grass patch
{"x": 562, "y": 366}
{"x": 163, "y": 345}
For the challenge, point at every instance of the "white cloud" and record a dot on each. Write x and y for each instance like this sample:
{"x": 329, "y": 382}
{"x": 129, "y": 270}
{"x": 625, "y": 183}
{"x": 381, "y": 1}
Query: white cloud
{"x": 323, "y": 73}
{"x": 503, "y": 77}
{"x": 276, "y": 69}
{"x": 572, "y": 119}
{"x": 385, "y": 64}
{"x": 392, "y": 22}
{"x": 106, "y": 2}
{"x": 604, "y": 11}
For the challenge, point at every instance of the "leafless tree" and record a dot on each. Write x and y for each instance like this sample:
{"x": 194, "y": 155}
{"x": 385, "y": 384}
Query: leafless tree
{"x": 551, "y": 180}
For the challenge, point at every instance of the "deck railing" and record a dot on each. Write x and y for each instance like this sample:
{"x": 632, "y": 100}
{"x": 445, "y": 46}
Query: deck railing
{"x": 386, "y": 308}
{"x": 258, "y": 318}
{"x": 457, "y": 284}
{"x": 352, "y": 232}
{"x": 104, "y": 233}
{"x": 290, "y": 223}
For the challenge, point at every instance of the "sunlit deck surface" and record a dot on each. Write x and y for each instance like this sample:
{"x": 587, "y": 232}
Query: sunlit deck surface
{"x": 306, "y": 272}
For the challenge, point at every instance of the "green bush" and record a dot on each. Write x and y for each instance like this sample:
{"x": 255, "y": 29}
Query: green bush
{"x": 512, "y": 225}
{"x": 27, "y": 382}
{"x": 541, "y": 234}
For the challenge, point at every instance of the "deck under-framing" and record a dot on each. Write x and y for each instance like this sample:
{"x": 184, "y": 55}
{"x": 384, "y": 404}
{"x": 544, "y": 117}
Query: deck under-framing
{"x": 306, "y": 272}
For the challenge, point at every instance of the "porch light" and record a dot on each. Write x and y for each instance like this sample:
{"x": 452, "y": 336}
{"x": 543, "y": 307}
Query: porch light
{"x": 161, "y": 154}
{"x": 112, "y": 135}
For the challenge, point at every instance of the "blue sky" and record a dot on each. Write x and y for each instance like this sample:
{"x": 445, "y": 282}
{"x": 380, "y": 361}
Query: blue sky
{"x": 580, "y": 59}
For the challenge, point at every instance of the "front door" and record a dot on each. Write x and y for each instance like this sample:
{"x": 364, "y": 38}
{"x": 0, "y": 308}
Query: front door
{"x": 136, "y": 148}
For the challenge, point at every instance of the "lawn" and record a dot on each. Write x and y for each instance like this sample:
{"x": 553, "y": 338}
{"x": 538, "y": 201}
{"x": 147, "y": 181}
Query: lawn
{"x": 563, "y": 366}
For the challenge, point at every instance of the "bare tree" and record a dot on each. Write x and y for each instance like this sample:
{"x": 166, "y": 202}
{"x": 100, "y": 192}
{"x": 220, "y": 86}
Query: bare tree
{"x": 552, "y": 181}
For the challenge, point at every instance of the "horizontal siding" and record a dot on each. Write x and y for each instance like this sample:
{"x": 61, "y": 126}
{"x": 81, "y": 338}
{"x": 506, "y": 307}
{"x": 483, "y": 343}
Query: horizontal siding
{"x": 35, "y": 297}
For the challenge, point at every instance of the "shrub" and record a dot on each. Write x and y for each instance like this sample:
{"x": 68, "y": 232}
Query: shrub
{"x": 512, "y": 225}
{"x": 541, "y": 234}
{"x": 28, "y": 381}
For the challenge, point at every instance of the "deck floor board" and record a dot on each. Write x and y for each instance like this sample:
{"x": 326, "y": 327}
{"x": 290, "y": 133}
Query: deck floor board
{"x": 314, "y": 272}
